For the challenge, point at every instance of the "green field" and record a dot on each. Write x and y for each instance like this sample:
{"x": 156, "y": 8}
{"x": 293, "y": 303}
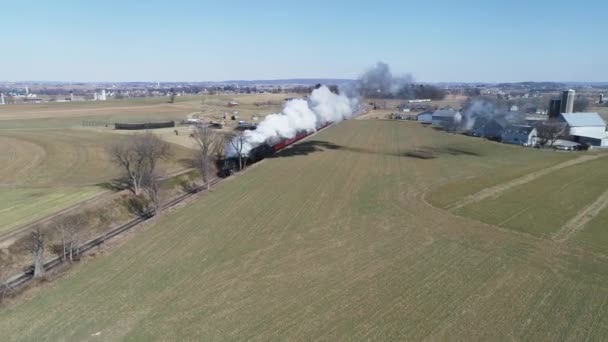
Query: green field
{"x": 46, "y": 170}
{"x": 595, "y": 234}
{"x": 542, "y": 206}
{"x": 20, "y": 206}
{"x": 334, "y": 240}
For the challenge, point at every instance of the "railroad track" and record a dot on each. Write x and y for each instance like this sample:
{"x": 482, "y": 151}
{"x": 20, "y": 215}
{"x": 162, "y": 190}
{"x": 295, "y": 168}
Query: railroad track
{"x": 24, "y": 277}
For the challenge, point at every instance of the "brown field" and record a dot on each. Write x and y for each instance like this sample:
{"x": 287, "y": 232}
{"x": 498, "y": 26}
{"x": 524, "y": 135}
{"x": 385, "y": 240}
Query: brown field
{"x": 335, "y": 239}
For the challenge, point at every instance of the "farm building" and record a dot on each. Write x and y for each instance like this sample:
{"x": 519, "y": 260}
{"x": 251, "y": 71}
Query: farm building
{"x": 446, "y": 118}
{"x": 520, "y": 135}
{"x": 425, "y": 117}
{"x": 489, "y": 128}
{"x": 587, "y": 128}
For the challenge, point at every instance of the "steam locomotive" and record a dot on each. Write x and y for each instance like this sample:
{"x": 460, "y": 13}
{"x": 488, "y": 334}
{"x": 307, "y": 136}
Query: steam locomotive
{"x": 264, "y": 150}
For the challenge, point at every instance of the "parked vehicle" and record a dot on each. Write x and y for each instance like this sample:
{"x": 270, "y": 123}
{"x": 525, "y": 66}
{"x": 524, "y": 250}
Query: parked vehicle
{"x": 564, "y": 148}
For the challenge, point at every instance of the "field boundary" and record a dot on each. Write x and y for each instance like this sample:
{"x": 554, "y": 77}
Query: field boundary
{"x": 581, "y": 219}
{"x": 24, "y": 277}
{"x": 495, "y": 191}
{"x": 12, "y": 233}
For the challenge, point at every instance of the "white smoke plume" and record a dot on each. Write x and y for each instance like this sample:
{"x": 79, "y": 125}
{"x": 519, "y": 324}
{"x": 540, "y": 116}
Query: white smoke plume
{"x": 322, "y": 106}
{"x": 483, "y": 109}
{"x": 380, "y": 82}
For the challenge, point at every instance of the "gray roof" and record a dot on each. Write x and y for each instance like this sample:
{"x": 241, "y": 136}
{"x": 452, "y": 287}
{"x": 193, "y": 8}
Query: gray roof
{"x": 583, "y": 119}
{"x": 520, "y": 128}
{"x": 447, "y": 113}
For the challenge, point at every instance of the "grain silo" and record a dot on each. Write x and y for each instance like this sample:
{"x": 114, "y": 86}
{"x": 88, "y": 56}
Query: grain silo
{"x": 567, "y": 105}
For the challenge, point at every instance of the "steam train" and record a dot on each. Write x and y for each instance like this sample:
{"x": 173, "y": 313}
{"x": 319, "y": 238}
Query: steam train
{"x": 265, "y": 150}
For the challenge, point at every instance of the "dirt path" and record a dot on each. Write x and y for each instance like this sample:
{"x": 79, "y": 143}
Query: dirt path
{"x": 583, "y": 217}
{"x": 495, "y": 191}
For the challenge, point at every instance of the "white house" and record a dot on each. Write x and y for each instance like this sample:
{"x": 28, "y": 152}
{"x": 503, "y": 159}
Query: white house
{"x": 520, "y": 135}
{"x": 586, "y": 128}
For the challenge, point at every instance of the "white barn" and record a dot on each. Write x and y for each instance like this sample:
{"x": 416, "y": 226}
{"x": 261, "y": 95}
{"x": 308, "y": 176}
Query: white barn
{"x": 586, "y": 128}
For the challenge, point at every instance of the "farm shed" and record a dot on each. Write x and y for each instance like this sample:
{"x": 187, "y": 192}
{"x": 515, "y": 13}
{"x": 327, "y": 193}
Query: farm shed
{"x": 141, "y": 126}
{"x": 403, "y": 116}
{"x": 588, "y": 128}
{"x": 446, "y": 118}
{"x": 520, "y": 135}
{"x": 425, "y": 118}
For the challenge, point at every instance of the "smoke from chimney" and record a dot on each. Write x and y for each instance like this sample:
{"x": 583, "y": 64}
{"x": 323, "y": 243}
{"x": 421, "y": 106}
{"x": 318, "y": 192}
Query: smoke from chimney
{"x": 477, "y": 109}
{"x": 379, "y": 81}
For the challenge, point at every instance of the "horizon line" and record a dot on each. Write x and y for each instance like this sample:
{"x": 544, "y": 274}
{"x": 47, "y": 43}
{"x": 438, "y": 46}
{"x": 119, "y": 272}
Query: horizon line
{"x": 299, "y": 79}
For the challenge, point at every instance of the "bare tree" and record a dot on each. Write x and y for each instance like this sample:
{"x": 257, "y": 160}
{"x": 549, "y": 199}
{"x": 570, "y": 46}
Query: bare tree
{"x": 138, "y": 156}
{"x": 35, "y": 245}
{"x": 69, "y": 229}
{"x": 172, "y": 96}
{"x": 206, "y": 140}
{"x": 550, "y": 131}
{"x": 237, "y": 142}
{"x": 152, "y": 189}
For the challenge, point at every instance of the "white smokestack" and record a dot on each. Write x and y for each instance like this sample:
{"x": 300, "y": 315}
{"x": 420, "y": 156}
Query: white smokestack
{"x": 322, "y": 107}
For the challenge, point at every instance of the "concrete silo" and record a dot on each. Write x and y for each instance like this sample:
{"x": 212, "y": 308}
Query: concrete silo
{"x": 567, "y": 105}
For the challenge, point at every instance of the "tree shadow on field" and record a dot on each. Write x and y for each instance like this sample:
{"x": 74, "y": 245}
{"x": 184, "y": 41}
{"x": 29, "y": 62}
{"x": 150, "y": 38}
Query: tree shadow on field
{"x": 424, "y": 152}
{"x": 432, "y": 152}
{"x": 312, "y": 146}
{"x": 117, "y": 184}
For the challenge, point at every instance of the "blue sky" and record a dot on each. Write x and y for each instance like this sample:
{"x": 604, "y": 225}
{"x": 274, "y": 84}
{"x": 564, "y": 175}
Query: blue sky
{"x": 209, "y": 41}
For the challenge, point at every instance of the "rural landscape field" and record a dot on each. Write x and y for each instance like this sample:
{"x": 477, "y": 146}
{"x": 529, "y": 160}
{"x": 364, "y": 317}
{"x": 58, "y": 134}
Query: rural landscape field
{"x": 55, "y": 156}
{"x": 370, "y": 229}
{"x": 304, "y": 171}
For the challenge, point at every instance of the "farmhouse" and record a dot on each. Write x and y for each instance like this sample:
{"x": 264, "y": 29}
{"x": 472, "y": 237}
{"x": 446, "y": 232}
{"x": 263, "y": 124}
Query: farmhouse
{"x": 520, "y": 135}
{"x": 489, "y": 128}
{"x": 446, "y": 118}
{"x": 586, "y": 128}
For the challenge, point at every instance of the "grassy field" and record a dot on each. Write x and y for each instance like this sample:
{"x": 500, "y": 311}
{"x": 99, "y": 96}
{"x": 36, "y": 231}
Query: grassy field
{"x": 49, "y": 161}
{"x": 46, "y": 170}
{"x": 333, "y": 240}
{"x": 595, "y": 234}
{"x": 543, "y": 205}
{"x": 20, "y": 206}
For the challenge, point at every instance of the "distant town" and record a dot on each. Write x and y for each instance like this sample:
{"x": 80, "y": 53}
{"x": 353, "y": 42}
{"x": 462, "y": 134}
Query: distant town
{"x": 532, "y": 97}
